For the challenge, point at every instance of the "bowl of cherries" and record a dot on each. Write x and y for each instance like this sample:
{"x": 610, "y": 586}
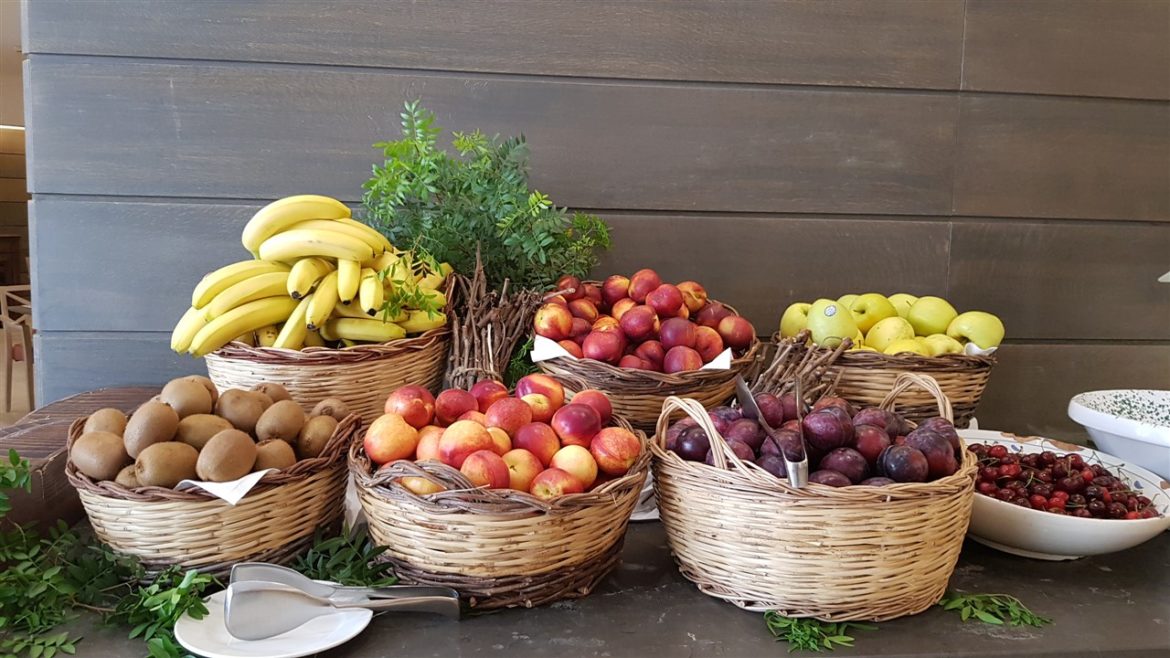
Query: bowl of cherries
{"x": 1051, "y": 500}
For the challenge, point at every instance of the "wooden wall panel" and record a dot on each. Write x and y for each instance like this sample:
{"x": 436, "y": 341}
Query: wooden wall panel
{"x": 72, "y": 362}
{"x": 12, "y": 165}
{"x": 895, "y": 43}
{"x": 1066, "y": 158}
{"x": 1075, "y": 47}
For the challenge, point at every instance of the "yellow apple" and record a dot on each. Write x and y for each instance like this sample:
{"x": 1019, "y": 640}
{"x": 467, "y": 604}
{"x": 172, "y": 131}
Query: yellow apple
{"x": 905, "y": 345}
{"x": 938, "y": 344}
{"x": 846, "y": 300}
{"x": 864, "y": 348}
{"x": 794, "y": 320}
{"x": 871, "y": 308}
{"x": 858, "y": 341}
{"x": 931, "y": 315}
{"x": 902, "y": 302}
{"x": 887, "y": 331}
{"x": 830, "y": 323}
{"x": 979, "y": 327}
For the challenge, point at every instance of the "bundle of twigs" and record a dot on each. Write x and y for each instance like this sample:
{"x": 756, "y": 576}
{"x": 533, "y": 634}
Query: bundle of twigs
{"x": 794, "y": 360}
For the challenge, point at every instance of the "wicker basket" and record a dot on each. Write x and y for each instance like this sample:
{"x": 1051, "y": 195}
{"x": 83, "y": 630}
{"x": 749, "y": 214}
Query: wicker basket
{"x": 849, "y": 553}
{"x": 274, "y": 522}
{"x": 499, "y": 548}
{"x": 361, "y": 376}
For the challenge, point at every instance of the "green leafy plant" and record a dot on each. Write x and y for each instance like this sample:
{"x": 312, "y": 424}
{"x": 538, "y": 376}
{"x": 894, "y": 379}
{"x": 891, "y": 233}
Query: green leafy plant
{"x": 14, "y": 474}
{"x": 998, "y": 609}
{"x": 348, "y": 559}
{"x": 812, "y": 634}
{"x": 152, "y": 610}
{"x": 445, "y": 205}
{"x": 521, "y": 364}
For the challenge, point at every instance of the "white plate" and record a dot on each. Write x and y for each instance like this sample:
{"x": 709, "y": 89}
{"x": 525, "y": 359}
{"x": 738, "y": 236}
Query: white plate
{"x": 1046, "y": 536}
{"x": 209, "y": 636}
{"x": 1115, "y": 421}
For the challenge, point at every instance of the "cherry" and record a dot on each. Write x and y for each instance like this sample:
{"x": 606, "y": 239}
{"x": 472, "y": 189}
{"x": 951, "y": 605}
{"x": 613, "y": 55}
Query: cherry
{"x": 1149, "y": 513}
{"x": 1087, "y": 475}
{"x": 1083, "y": 513}
{"x": 1096, "y": 507}
{"x": 1041, "y": 488}
{"x": 997, "y": 452}
{"x": 1117, "y": 510}
{"x": 1093, "y": 492}
{"x": 1005, "y": 494}
{"x": 1131, "y": 503}
{"x": 1009, "y": 470}
{"x": 1047, "y": 457}
{"x": 988, "y": 473}
{"x": 1038, "y": 501}
{"x": 1076, "y": 462}
{"x": 1031, "y": 461}
{"x": 1133, "y": 515}
{"x": 986, "y": 488}
{"x": 1104, "y": 480}
{"x": 1143, "y": 501}
{"x": 1076, "y": 500}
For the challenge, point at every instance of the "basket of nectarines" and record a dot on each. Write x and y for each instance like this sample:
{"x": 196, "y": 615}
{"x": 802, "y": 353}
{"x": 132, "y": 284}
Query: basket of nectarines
{"x": 513, "y": 500}
{"x": 642, "y": 340}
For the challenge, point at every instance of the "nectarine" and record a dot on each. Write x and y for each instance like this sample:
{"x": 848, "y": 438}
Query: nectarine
{"x": 681, "y": 359}
{"x": 461, "y": 439}
{"x": 415, "y": 404}
{"x": 666, "y": 300}
{"x": 539, "y": 439}
{"x": 523, "y": 467}
{"x": 576, "y": 424}
{"x": 475, "y": 415}
{"x": 638, "y": 323}
{"x": 615, "y": 449}
{"x": 602, "y": 346}
{"x": 621, "y": 307}
{"x": 553, "y": 482}
{"x": 599, "y": 401}
{"x": 453, "y": 403}
{"x": 570, "y": 288}
{"x": 487, "y": 391}
{"x": 543, "y": 384}
{"x": 542, "y": 410}
{"x": 643, "y": 283}
{"x": 509, "y": 415}
{"x": 711, "y": 314}
{"x": 553, "y": 321}
{"x": 584, "y": 309}
{"x": 428, "y": 443}
{"x": 614, "y": 288}
{"x": 653, "y": 352}
{"x": 420, "y": 486}
{"x": 486, "y": 469}
{"x": 576, "y": 461}
{"x": 676, "y": 332}
{"x": 572, "y": 348}
{"x": 694, "y": 295}
{"x": 389, "y": 438}
{"x": 501, "y": 443}
{"x": 708, "y": 343}
{"x": 593, "y": 294}
{"x": 736, "y": 331}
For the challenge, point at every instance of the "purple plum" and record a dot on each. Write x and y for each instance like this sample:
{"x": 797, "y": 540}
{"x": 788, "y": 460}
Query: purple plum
{"x": 901, "y": 463}
{"x": 829, "y": 477}
{"x": 824, "y": 430}
{"x": 747, "y": 431}
{"x": 847, "y": 462}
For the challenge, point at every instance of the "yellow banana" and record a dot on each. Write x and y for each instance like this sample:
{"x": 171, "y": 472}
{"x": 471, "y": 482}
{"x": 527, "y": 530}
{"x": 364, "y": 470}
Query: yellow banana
{"x": 294, "y": 332}
{"x": 352, "y": 311}
{"x": 216, "y": 282}
{"x": 370, "y": 292}
{"x": 420, "y": 321}
{"x": 266, "y": 336}
{"x": 374, "y": 233}
{"x": 257, "y": 287}
{"x": 248, "y": 317}
{"x": 384, "y": 261}
{"x": 378, "y": 244}
{"x": 367, "y": 330}
{"x": 300, "y": 243}
{"x": 322, "y": 302}
{"x": 188, "y": 325}
{"x": 445, "y": 269}
{"x": 305, "y": 274}
{"x": 430, "y": 281}
{"x": 314, "y": 339}
{"x": 248, "y": 338}
{"x": 283, "y": 213}
{"x": 435, "y": 297}
{"x": 349, "y": 277}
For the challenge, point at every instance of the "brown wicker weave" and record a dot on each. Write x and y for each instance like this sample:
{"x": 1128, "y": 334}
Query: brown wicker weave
{"x": 361, "y": 376}
{"x": 847, "y": 553}
{"x": 499, "y": 548}
{"x": 195, "y": 530}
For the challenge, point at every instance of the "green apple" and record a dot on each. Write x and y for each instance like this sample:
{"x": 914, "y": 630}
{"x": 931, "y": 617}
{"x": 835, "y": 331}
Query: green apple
{"x": 846, "y": 300}
{"x": 931, "y": 315}
{"x": 794, "y": 320}
{"x": 887, "y": 331}
{"x": 871, "y": 308}
{"x": 830, "y": 323}
{"x": 938, "y": 344}
{"x": 906, "y": 345}
{"x": 902, "y": 302}
{"x": 979, "y": 327}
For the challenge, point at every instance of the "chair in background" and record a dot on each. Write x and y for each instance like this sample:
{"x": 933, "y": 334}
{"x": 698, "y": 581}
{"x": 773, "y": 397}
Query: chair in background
{"x": 16, "y": 320}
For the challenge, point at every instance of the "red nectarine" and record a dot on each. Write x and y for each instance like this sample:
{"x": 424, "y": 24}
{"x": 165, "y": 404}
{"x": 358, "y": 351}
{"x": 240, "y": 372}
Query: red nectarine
{"x": 676, "y": 332}
{"x": 621, "y": 307}
{"x": 602, "y": 346}
{"x": 509, "y": 415}
{"x": 711, "y": 314}
{"x": 415, "y": 404}
{"x": 576, "y": 461}
{"x": 576, "y": 424}
{"x": 614, "y": 288}
{"x": 461, "y": 439}
{"x": 708, "y": 343}
{"x": 543, "y": 384}
{"x": 694, "y": 295}
{"x": 570, "y": 288}
{"x": 736, "y": 331}
{"x": 501, "y": 443}
{"x": 539, "y": 439}
{"x": 486, "y": 469}
{"x": 615, "y": 449}
{"x": 420, "y": 486}
{"x": 553, "y": 482}
{"x": 553, "y": 321}
{"x": 453, "y": 403}
{"x": 681, "y": 359}
{"x": 642, "y": 283}
{"x": 638, "y": 323}
{"x": 572, "y": 348}
{"x": 599, "y": 401}
{"x": 584, "y": 309}
{"x": 665, "y": 300}
{"x": 389, "y": 438}
{"x": 487, "y": 391}
{"x": 428, "y": 443}
{"x": 523, "y": 467}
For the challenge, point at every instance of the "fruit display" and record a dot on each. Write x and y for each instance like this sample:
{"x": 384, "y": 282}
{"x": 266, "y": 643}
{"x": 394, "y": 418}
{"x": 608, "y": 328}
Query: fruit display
{"x": 319, "y": 278}
{"x": 191, "y": 431}
{"x": 845, "y": 447}
{"x": 531, "y": 441}
{"x": 1057, "y": 483}
{"x": 642, "y": 323}
{"x": 900, "y": 323}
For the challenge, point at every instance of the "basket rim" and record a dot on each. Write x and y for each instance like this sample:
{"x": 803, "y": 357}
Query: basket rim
{"x": 876, "y": 360}
{"x": 321, "y": 356}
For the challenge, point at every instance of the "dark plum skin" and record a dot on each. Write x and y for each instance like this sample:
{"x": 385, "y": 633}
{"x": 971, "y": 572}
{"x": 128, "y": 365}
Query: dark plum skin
{"x": 945, "y": 428}
{"x": 747, "y": 431}
{"x": 940, "y": 456}
{"x": 825, "y": 431}
{"x": 772, "y": 408}
{"x": 877, "y": 482}
{"x": 901, "y": 463}
{"x": 847, "y": 462}
{"x": 786, "y": 441}
{"x": 790, "y": 424}
{"x": 774, "y": 464}
{"x": 723, "y": 417}
{"x": 846, "y": 421}
{"x": 829, "y": 477}
{"x": 870, "y": 441}
{"x": 831, "y": 401}
{"x": 741, "y": 450}
{"x": 788, "y": 400}
{"x": 878, "y": 418}
{"x": 677, "y": 429}
{"x": 693, "y": 444}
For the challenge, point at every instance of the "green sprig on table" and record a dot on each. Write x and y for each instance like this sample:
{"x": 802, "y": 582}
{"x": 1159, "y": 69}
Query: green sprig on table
{"x": 997, "y": 609}
{"x": 812, "y": 634}
{"x": 347, "y": 559}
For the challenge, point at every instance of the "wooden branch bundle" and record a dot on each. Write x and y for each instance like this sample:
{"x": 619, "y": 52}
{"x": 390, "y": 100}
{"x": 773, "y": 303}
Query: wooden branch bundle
{"x": 793, "y": 360}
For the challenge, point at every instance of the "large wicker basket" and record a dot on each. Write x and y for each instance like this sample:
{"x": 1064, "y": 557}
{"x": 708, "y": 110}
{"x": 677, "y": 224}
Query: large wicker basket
{"x": 274, "y": 522}
{"x": 499, "y": 548}
{"x": 849, "y": 553}
{"x": 360, "y": 376}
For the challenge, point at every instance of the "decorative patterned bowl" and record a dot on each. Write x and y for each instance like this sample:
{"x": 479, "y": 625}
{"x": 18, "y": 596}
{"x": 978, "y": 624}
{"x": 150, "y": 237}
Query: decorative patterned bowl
{"x": 1036, "y": 534}
{"x": 1133, "y": 424}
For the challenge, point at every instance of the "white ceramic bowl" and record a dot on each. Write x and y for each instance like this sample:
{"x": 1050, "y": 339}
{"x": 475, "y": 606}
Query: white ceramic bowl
{"x": 1133, "y": 424}
{"x": 1046, "y": 536}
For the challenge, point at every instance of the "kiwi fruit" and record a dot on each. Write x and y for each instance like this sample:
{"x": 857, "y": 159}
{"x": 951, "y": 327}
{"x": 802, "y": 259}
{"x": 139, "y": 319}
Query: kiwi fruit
{"x": 265, "y": 401}
{"x": 331, "y": 407}
{"x": 273, "y": 453}
{"x": 283, "y": 420}
{"x": 198, "y": 429}
{"x": 127, "y": 478}
{"x": 100, "y": 455}
{"x": 207, "y": 384}
{"x": 153, "y": 422}
{"x": 229, "y": 455}
{"x": 240, "y": 408}
{"x": 166, "y": 464}
{"x": 274, "y": 391}
{"x": 314, "y": 435}
{"x": 187, "y": 397}
{"x": 106, "y": 420}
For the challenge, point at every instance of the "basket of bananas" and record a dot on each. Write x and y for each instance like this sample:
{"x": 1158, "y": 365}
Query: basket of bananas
{"x": 327, "y": 307}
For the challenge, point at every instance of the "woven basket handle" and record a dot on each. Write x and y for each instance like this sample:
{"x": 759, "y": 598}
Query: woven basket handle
{"x": 719, "y": 448}
{"x": 927, "y": 383}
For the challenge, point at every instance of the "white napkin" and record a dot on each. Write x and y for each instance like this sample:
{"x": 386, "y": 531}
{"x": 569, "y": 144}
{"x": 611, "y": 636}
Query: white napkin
{"x": 971, "y": 349}
{"x": 647, "y": 507}
{"x": 544, "y": 349}
{"x": 231, "y": 491}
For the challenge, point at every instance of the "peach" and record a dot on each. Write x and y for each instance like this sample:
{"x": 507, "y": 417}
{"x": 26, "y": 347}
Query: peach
{"x": 711, "y": 314}
{"x": 615, "y": 449}
{"x": 461, "y": 439}
{"x": 415, "y": 404}
{"x": 681, "y": 359}
{"x": 476, "y": 415}
{"x": 677, "y": 332}
{"x": 389, "y": 438}
{"x": 576, "y": 461}
{"x": 420, "y": 486}
{"x": 584, "y": 309}
{"x": 543, "y": 384}
{"x": 542, "y": 410}
{"x": 694, "y": 295}
{"x": 619, "y": 309}
{"x": 523, "y": 467}
{"x": 487, "y": 391}
{"x": 602, "y": 346}
{"x": 553, "y": 321}
{"x": 570, "y": 288}
{"x": 581, "y": 327}
{"x": 453, "y": 403}
{"x": 634, "y": 362}
{"x": 665, "y": 300}
{"x": 684, "y": 312}
{"x": 643, "y": 283}
{"x": 509, "y": 415}
{"x": 614, "y": 288}
{"x": 572, "y": 348}
{"x": 652, "y": 351}
{"x": 501, "y": 443}
{"x": 559, "y": 300}
{"x": 539, "y": 439}
{"x": 593, "y": 294}
{"x": 486, "y": 469}
{"x": 428, "y": 443}
{"x": 599, "y": 401}
{"x": 736, "y": 331}
{"x": 576, "y": 424}
{"x": 553, "y": 482}
{"x": 606, "y": 323}
{"x": 708, "y": 343}
{"x": 638, "y": 323}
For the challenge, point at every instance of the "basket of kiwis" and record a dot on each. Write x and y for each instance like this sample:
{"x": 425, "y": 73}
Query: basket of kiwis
{"x": 126, "y": 471}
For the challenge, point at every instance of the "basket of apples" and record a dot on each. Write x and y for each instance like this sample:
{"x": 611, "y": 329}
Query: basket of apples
{"x": 513, "y": 500}
{"x": 875, "y": 533}
{"x": 641, "y": 341}
{"x": 887, "y": 336}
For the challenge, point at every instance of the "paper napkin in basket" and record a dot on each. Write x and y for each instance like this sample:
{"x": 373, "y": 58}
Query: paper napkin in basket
{"x": 231, "y": 491}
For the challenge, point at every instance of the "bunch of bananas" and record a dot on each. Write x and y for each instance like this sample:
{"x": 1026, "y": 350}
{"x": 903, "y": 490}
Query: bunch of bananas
{"x": 318, "y": 278}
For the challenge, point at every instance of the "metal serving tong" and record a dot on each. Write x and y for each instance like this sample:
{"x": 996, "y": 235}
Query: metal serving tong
{"x": 264, "y": 600}
{"x": 796, "y": 464}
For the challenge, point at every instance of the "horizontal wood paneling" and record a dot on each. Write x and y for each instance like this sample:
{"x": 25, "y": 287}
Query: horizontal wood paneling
{"x": 1074, "y": 47}
{"x": 598, "y": 145}
{"x": 1063, "y": 280}
{"x": 11, "y": 165}
{"x": 13, "y": 190}
{"x": 1059, "y": 157}
{"x": 1031, "y": 385}
{"x": 896, "y": 43}
{"x": 11, "y": 141}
